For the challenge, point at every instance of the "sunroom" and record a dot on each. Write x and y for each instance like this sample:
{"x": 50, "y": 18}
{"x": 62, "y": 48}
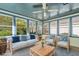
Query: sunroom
{"x": 39, "y": 29}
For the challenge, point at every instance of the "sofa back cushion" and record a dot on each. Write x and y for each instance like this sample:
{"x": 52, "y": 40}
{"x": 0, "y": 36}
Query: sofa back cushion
{"x": 15, "y": 39}
{"x": 28, "y": 37}
{"x": 23, "y": 38}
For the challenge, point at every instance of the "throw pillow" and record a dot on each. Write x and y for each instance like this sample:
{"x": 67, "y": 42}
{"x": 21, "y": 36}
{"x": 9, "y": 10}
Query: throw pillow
{"x": 63, "y": 38}
{"x": 15, "y": 39}
{"x": 32, "y": 36}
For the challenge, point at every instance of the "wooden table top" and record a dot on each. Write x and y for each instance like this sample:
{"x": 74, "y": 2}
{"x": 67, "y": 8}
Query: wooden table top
{"x": 42, "y": 51}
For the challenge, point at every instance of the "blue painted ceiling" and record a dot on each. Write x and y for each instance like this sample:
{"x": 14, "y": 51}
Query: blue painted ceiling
{"x": 26, "y": 9}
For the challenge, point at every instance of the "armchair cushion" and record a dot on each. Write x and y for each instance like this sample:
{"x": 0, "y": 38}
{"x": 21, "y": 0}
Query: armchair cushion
{"x": 62, "y": 43}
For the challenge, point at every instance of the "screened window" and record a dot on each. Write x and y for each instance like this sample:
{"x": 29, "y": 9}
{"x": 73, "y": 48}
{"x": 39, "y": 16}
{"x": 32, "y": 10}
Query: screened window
{"x": 46, "y": 28}
{"x": 53, "y": 13}
{"x": 39, "y": 27}
{"x": 53, "y": 27}
{"x": 75, "y": 5}
{"x": 5, "y": 25}
{"x": 32, "y": 27}
{"x": 64, "y": 26}
{"x": 75, "y": 26}
{"x": 64, "y": 8}
{"x": 21, "y": 26}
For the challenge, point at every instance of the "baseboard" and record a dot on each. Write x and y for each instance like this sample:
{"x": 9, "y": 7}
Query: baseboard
{"x": 74, "y": 48}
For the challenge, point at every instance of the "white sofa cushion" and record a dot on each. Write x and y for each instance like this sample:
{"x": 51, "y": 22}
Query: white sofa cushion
{"x": 23, "y": 44}
{"x": 62, "y": 43}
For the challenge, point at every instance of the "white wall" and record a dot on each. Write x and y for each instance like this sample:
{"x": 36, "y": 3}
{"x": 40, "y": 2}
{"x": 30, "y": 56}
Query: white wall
{"x": 74, "y": 42}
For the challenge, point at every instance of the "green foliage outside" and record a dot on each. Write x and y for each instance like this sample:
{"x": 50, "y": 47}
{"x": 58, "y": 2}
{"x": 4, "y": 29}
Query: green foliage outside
{"x": 21, "y": 26}
{"x": 5, "y": 33}
{"x": 5, "y": 20}
{"x": 6, "y": 26}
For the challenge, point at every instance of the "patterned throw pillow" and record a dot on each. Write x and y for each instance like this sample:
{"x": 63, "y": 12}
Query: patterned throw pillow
{"x": 63, "y": 38}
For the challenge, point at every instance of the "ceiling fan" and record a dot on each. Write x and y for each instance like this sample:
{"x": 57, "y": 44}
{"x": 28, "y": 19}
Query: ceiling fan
{"x": 44, "y": 11}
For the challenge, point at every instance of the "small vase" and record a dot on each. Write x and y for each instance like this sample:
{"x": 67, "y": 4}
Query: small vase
{"x": 42, "y": 44}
